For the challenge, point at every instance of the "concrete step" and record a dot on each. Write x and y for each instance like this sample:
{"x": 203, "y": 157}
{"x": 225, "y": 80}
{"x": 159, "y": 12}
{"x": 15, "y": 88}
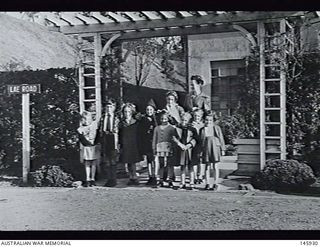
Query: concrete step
{"x": 235, "y": 177}
{"x": 234, "y": 183}
{"x": 243, "y": 172}
{"x": 232, "y": 159}
{"x": 228, "y": 166}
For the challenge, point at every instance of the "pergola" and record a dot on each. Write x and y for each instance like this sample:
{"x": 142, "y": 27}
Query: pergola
{"x": 96, "y": 31}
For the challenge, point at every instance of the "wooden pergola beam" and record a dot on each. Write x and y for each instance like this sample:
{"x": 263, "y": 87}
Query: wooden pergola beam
{"x": 134, "y": 16}
{"x": 70, "y": 18}
{"x": 246, "y": 34}
{"x": 176, "y": 32}
{"x": 185, "y": 13}
{"x": 101, "y": 18}
{"x": 202, "y": 12}
{"x": 151, "y": 15}
{"x": 174, "y": 22}
{"x": 87, "y": 20}
{"x": 167, "y": 14}
{"x": 118, "y": 17}
{"x": 108, "y": 44}
{"x": 55, "y": 21}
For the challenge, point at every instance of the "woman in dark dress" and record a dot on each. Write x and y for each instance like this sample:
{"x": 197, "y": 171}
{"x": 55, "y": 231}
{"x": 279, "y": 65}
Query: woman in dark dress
{"x": 197, "y": 98}
{"x": 146, "y": 126}
{"x": 128, "y": 140}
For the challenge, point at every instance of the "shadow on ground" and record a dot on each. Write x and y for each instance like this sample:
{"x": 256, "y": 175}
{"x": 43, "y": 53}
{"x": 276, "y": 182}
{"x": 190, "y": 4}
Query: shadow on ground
{"x": 310, "y": 191}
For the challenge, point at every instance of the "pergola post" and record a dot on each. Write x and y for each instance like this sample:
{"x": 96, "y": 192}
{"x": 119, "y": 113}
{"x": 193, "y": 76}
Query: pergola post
{"x": 283, "y": 98}
{"x": 261, "y": 36}
{"x": 273, "y": 49}
{"x": 97, "y": 68}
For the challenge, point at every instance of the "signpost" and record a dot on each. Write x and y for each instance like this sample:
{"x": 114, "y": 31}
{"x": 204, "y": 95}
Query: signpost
{"x": 25, "y": 90}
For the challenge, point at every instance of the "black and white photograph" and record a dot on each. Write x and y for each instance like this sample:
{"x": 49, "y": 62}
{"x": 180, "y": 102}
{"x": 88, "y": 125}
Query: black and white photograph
{"x": 159, "y": 120}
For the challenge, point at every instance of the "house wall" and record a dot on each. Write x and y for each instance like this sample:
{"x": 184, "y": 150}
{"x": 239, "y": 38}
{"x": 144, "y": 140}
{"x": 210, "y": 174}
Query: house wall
{"x": 204, "y": 48}
{"x": 310, "y": 37}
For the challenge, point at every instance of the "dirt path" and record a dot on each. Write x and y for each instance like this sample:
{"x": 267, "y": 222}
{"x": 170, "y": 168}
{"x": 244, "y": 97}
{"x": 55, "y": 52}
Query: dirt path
{"x": 102, "y": 208}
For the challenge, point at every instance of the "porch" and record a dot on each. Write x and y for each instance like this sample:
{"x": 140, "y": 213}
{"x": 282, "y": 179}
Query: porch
{"x": 265, "y": 31}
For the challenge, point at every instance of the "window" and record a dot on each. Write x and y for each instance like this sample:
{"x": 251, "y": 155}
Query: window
{"x": 225, "y": 85}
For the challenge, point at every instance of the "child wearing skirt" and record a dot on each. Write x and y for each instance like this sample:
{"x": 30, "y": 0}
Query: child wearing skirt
{"x": 198, "y": 168}
{"x": 88, "y": 136}
{"x": 162, "y": 145}
{"x": 185, "y": 142}
{"x": 213, "y": 147}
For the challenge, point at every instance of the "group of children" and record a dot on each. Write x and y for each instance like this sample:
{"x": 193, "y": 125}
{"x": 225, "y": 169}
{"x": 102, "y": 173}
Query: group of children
{"x": 167, "y": 138}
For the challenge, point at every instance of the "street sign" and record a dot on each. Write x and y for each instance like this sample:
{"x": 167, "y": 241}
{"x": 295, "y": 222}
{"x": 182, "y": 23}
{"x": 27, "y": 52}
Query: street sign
{"x": 24, "y": 88}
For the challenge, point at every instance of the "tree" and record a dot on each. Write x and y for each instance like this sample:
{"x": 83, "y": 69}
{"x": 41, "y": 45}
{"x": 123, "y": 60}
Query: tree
{"x": 112, "y": 76}
{"x": 152, "y": 51}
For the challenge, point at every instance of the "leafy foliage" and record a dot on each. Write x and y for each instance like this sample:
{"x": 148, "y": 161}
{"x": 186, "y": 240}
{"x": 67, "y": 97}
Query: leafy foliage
{"x": 303, "y": 106}
{"x": 283, "y": 174}
{"x": 303, "y": 97}
{"x": 236, "y": 126}
{"x": 244, "y": 121}
{"x": 112, "y": 76}
{"x": 54, "y": 114}
{"x": 50, "y": 176}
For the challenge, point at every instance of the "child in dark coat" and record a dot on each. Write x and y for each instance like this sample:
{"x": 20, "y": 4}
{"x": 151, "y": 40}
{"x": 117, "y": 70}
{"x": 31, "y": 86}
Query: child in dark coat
{"x": 146, "y": 127}
{"x": 198, "y": 168}
{"x": 109, "y": 135}
{"x": 128, "y": 140}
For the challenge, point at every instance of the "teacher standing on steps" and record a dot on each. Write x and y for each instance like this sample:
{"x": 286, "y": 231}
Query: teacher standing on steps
{"x": 197, "y": 99}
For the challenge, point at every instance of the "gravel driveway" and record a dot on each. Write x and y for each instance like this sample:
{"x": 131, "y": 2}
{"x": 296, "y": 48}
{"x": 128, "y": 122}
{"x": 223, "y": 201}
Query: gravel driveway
{"x": 101, "y": 208}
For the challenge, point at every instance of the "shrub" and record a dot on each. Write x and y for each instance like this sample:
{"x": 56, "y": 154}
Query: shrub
{"x": 2, "y": 159}
{"x": 50, "y": 176}
{"x": 54, "y": 114}
{"x": 284, "y": 175}
{"x": 238, "y": 126}
{"x": 314, "y": 160}
{"x": 231, "y": 150}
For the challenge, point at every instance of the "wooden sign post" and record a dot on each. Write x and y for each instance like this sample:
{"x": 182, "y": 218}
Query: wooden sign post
{"x": 25, "y": 90}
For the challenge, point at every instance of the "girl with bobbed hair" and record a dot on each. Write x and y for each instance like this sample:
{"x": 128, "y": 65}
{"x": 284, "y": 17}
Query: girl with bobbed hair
{"x": 174, "y": 110}
{"x": 213, "y": 147}
{"x": 162, "y": 146}
{"x": 128, "y": 141}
